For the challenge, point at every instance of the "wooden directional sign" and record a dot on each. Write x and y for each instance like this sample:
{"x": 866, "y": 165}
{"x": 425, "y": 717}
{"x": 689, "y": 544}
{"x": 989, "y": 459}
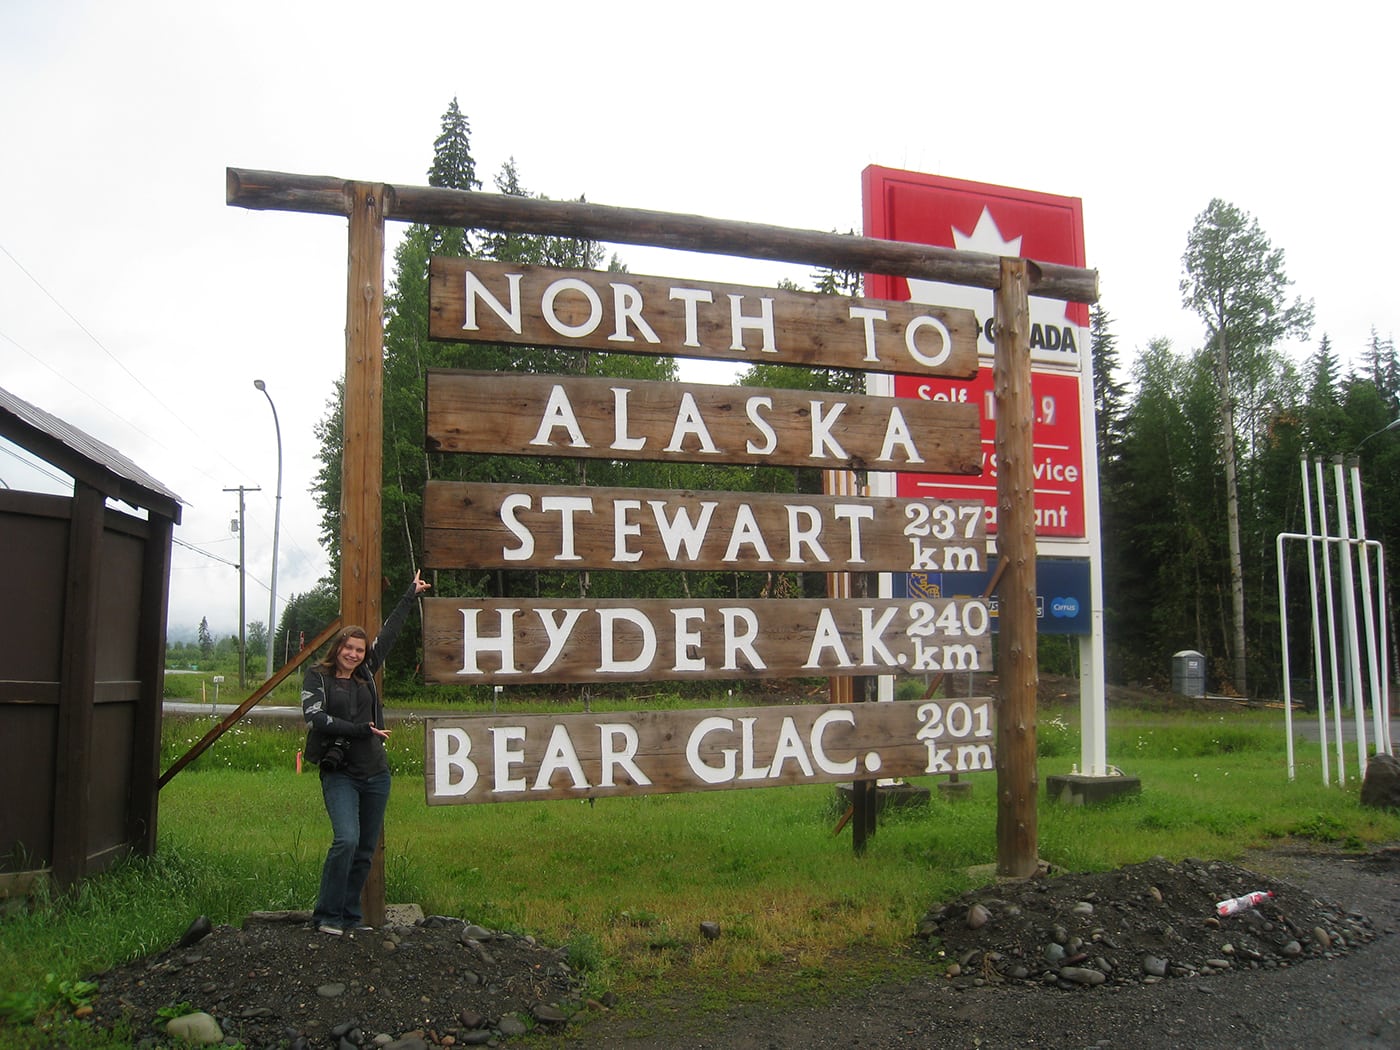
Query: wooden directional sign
{"x": 475, "y": 301}
{"x": 468, "y": 525}
{"x": 595, "y": 418}
{"x": 537, "y": 757}
{"x": 482, "y": 641}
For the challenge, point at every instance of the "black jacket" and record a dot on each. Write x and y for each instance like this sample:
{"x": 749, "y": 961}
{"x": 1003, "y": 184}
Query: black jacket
{"x": 325, "y": 717}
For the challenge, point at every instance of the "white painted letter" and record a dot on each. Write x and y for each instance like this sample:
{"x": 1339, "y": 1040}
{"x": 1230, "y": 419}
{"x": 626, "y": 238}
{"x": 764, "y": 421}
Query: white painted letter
{"x": 691, "y": 296}
{"x": 473, "y": 644}
{"x": 557, "y": 632}
{"x": 689, "y": 421}
{"x": 763, "y": 322}
{"x": 944, "y": 351}
{"x": 506, "y": 756}
{"x": 621, "y": 441}
{"x": 710, "y": 774}
{"x": 869, "y": 315}
{"x": 827, "y": 635}
{"x": 855, "y": 513}
{"x": 475, "y": 288}
{"x": 560, "y": 753}
{"x": 825, "y": 764}
{"x": 627, "y": 306}
{"x": 517, "y": 501}
{"x": 608, "y": 620}
{"x": 897, "y": 433}
{"x": 746, "y": 531}
{"x": 751, "y": 407}
{"x": 559, "y": 413}
{"x": 735, "y": 642}
{"x": 566, "y": 506}
{"x": 453, "y": 772}
{"x": 821, "y": 430}
{"x": 595, "y": 307}
{"x": 808, "y": 536}
{"x": 610, "y": 756}
{"x": 622, "y": 528}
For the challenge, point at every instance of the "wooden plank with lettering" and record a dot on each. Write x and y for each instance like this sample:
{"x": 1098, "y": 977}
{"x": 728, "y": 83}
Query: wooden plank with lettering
{"x": 470, "y": 525}
{"x": 598, "y": 418}
{"x": 528, "y": 758}
{"x": 475, "y": 301}
{"x": 485, "y": 641}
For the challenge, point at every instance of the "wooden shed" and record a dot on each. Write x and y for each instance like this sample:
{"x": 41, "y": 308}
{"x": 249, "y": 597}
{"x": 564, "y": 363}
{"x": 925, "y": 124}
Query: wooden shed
{"x": 82, "y": 665}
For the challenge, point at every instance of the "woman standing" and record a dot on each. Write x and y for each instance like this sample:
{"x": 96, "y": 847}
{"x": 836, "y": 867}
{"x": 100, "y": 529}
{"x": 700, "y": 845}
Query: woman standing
{"x": 347, "y": 734}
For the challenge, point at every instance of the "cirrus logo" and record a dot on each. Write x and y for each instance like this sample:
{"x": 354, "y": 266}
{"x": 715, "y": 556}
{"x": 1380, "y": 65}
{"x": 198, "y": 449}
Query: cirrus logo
{"x": 1066, "y": 608}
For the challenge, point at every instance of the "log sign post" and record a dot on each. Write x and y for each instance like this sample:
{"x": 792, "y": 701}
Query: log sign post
{"x": 480, "y": 641}
{"x": 508, "y": 640}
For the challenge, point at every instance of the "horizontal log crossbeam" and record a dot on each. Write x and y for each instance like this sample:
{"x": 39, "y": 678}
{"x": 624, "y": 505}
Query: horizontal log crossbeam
{"x": 437, "y": 206}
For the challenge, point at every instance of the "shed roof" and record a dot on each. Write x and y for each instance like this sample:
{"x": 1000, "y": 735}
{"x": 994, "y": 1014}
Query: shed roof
{"x": 83, "y": 457}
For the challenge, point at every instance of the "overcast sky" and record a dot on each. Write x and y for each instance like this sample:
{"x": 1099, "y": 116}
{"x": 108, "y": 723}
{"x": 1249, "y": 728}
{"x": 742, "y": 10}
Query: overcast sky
{"x": 135, "y": 304}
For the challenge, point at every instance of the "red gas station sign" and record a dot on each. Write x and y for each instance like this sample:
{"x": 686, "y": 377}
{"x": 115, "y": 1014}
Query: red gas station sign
{"x": 954, "y": 213}
{"x": 1058, "y": 450}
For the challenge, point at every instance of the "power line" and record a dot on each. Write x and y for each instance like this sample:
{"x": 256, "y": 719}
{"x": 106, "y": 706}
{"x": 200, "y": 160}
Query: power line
{"x": 115, "y": 360}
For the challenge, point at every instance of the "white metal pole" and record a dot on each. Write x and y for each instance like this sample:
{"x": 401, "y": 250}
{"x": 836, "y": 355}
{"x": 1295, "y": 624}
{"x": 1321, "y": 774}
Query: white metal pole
{"x": 1333, "y": 654}
{"x": 1353, "y": 643}
{"x": 276, "y": 530}
{"x": 1319, "y": 687}
{"x": 1283, "y": 647}
{"x": 1384, "y": 605}
{"x": 1378, "y": 714}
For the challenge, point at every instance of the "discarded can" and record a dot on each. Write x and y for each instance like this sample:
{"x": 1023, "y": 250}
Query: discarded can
{"x": 1249, "y": 900}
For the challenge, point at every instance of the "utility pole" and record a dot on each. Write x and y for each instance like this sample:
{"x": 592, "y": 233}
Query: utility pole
{"x": 242, "y": 593}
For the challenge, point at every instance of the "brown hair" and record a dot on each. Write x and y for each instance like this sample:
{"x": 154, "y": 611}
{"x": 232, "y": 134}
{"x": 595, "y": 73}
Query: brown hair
{"x": 327, "y": 662}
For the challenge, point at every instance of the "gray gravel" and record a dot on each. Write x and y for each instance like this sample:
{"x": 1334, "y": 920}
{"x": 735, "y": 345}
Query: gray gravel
{"x": 1351, "y": 1001}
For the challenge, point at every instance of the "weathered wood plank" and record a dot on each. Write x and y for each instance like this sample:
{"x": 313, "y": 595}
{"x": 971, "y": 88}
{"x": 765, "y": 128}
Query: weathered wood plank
{"x": 484, "y": 641}
{"x": 595, "y": 418}
{"x": 470, "y": 525}
{"x": 470, "y": 300}
{"x": 539, "y": 757}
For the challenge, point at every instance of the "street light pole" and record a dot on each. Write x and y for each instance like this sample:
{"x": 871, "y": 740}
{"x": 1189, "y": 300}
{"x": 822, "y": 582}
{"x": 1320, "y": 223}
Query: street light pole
{"x": 1389, "y": 426}
{"x": 276, "y": 529}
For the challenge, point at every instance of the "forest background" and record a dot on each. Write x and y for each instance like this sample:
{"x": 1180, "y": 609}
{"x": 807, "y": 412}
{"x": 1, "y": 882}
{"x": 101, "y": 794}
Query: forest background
{"x": 1199, "y": 453}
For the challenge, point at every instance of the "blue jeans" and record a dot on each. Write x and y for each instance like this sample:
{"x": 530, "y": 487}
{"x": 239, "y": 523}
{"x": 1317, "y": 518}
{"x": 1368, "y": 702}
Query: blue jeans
{"x": 356, "y": 808}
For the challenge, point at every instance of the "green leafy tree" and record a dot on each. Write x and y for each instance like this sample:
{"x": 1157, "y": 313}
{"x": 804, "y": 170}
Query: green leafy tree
{"x": 206, "y": 640}
{"x": 1234, "y": 280}
{"x": 257, "y": 638}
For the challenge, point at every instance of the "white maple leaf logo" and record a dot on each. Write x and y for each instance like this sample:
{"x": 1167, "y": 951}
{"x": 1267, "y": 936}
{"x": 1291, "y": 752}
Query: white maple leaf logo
{"x": 987, "y": 237}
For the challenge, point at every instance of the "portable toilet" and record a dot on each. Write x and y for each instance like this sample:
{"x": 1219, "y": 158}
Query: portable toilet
{"x": 1189, "y": 673}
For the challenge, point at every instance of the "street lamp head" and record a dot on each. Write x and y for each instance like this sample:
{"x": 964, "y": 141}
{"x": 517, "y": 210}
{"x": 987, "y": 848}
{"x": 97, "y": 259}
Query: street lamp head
{"x": 260, "y": 385}
{"x": 1385, "y": 429}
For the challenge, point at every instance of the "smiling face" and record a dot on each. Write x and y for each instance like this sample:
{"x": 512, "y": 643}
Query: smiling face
{"x": 349, "y": 656}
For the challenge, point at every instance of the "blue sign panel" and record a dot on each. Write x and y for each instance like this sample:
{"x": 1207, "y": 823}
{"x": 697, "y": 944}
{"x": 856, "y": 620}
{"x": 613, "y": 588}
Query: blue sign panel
{"x": 1061, "y": 592}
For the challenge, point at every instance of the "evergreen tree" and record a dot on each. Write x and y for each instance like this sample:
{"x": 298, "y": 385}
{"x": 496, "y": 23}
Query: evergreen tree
{"x": 1383, "y": 368}
{"x": 1109, "y": 392}
{"x": 453, "y": 168}
{"x": 1324, "y": 419}
{"x": 206, "y": 639}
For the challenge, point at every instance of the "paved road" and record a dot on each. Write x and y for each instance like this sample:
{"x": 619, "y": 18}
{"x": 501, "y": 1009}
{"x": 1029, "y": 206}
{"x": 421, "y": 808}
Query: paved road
{"x": 1305, "y": 726}
{"x": 261, "y": 711}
